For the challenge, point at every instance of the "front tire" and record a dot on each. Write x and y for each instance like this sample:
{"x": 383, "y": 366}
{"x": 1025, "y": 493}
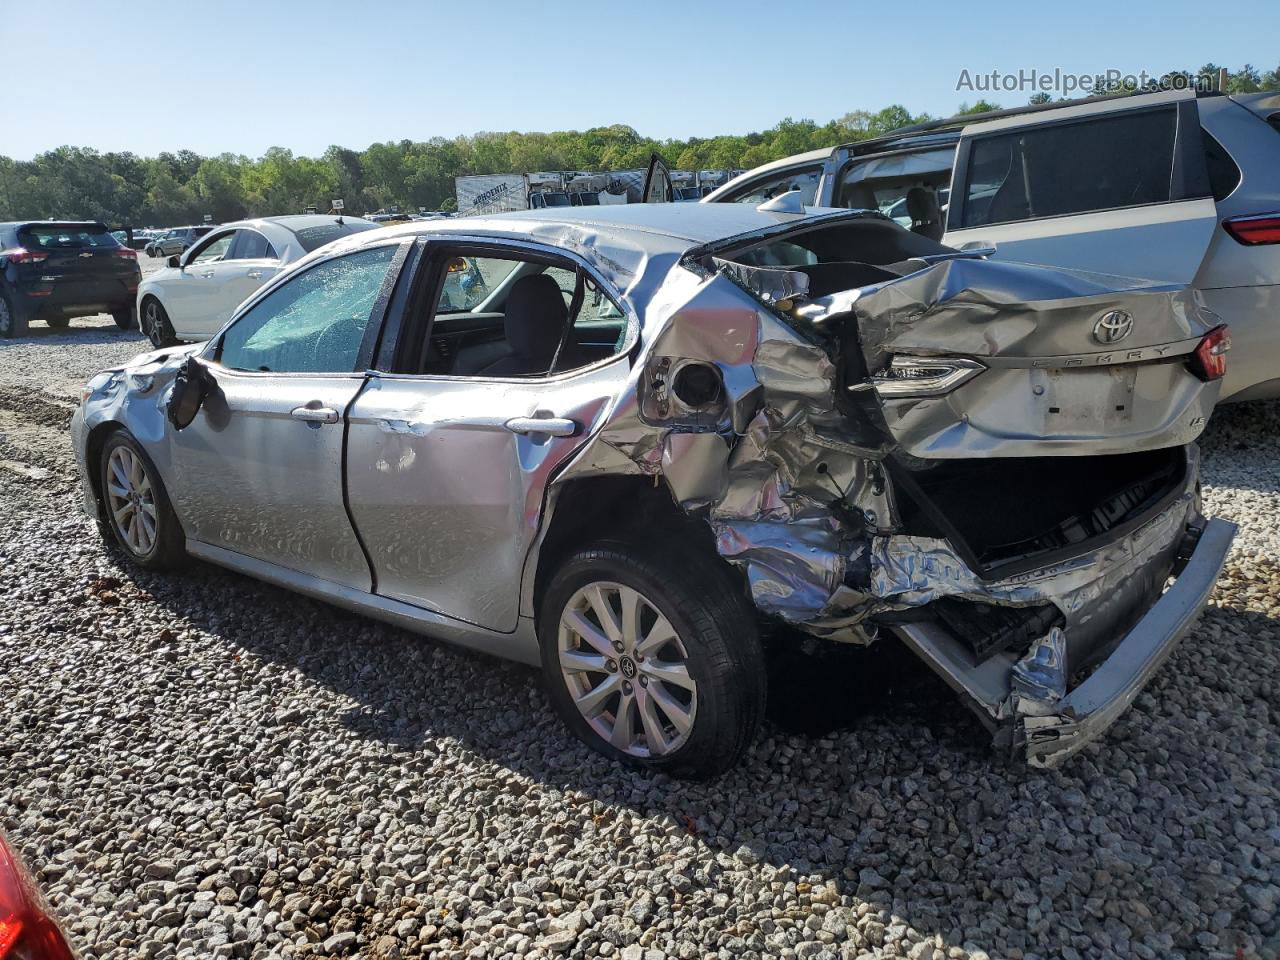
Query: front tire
{"x": 156, "y": 325}
{"x": 139, "y": 516}
{"x": 652, "y": 657}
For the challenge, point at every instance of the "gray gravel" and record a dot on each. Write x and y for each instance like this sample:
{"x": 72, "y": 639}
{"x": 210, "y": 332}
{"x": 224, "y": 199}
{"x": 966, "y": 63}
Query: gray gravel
{"x": 204, "y": 766}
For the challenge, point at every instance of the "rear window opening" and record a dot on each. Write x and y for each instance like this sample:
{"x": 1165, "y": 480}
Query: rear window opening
{"x": 313, "y": 238}
{"x": 66, "y": 236}
{"x": 1046, "y": 505}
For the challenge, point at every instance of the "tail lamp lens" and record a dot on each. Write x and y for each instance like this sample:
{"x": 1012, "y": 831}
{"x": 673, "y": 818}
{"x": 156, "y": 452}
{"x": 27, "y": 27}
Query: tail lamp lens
{"x": 1254, "y": 231}
{"x": 27, "y": 932}
{"x": 925, "y": 376}
{"x": 1209, "y": 361}
{"x": 23, "y": 255}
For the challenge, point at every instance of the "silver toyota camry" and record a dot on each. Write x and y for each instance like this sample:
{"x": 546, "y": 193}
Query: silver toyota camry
{"x": 630, "y": 443}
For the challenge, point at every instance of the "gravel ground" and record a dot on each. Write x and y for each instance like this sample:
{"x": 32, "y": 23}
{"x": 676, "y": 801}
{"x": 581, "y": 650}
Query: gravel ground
{"x": 205, "y": 766}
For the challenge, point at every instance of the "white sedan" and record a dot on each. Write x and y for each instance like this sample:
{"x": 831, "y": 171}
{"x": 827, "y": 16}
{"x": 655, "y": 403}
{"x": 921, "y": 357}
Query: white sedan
{"x": 193, "y": 297}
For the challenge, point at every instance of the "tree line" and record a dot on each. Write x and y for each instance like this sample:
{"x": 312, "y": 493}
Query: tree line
{"x": 124, "y": 189}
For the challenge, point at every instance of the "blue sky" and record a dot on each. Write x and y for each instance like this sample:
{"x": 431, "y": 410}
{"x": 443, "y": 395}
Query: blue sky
{"x": 240, "y": 77}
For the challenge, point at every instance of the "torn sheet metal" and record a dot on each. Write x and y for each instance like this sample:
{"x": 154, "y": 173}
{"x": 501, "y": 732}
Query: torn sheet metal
{"x": 913, "y": 571}
{"x": 771, "y": 284}
{"x": 1039, "y": 679}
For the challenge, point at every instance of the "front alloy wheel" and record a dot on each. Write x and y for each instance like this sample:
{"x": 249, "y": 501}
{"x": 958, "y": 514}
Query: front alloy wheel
{"x": 131, "y": 501}
{"x": 626, "y": 669}
{"x": 138, "y": 514}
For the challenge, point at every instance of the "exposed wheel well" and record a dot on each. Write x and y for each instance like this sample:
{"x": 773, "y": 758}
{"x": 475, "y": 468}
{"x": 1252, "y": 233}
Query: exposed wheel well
{"x": 596, "y": 508}
{"x": 93, "y": 455}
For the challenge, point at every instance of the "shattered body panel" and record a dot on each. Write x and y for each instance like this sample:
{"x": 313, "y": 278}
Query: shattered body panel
{"x": 804, "y": 506}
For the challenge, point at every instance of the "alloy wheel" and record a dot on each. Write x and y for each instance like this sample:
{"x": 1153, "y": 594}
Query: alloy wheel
{"x": 131, "y": 501}
{"x": 626, "y": 669}
{"x": 151, "y": 322}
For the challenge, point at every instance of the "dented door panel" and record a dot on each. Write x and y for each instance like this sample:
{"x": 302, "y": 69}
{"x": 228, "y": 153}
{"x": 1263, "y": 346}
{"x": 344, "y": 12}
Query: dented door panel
{"x": 447, "y": 497}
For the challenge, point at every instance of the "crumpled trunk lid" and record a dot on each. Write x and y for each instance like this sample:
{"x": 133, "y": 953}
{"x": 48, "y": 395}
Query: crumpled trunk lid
{"x": 1070, "y": 363}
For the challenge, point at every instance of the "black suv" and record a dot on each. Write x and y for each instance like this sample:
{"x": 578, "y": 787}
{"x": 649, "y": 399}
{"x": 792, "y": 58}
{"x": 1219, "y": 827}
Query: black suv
{"x": 55, "y": 270}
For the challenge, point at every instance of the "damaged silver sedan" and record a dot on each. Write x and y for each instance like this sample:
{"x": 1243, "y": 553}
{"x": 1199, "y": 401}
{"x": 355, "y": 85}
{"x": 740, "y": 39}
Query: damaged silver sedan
{"x": 629, "y": 443}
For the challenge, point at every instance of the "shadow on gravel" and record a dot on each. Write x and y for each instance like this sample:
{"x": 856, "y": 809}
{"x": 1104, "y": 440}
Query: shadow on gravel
{"x": 816, "y": 689}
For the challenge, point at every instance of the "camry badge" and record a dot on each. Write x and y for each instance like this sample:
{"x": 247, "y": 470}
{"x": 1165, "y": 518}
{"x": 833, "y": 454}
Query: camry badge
{"x": 1113, "y": 327}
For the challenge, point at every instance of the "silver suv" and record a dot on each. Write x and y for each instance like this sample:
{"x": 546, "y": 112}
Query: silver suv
{"x": 1167, "y": 186}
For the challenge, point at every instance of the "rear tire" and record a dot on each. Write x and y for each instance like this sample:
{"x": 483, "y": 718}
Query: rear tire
{"x": 139, "y": 517}
{"x": 59, "y": 323}
{"x": 156, "y": 325}
{"x": 689, "y": 705}
{"x": 126, "y": 319}
{"x": 11, "y": 323}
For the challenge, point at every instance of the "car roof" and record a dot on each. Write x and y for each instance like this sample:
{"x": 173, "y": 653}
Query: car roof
{"x": 52, "y": 223}
{"x": 292, "y": 222}
{"x": 682, "y": 225}
{"x": 631, "y": 245}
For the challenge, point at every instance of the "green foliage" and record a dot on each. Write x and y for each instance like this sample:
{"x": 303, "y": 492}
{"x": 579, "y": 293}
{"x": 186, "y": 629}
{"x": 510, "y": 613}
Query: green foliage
{"x": 182, "y": 187}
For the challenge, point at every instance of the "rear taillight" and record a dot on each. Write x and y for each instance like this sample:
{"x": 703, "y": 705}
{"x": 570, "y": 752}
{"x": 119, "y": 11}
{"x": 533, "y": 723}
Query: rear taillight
{"x": 23, "y": 255}
{"x": 1254, "y": 231}
{"x": 27, "y": 932}
{"x": 127, "y": 253}
{"x": 1209, "y": 361}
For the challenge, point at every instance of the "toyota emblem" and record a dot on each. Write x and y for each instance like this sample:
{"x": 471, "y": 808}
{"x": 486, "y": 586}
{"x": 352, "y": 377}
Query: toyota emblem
{"x": 1113, "y": 327}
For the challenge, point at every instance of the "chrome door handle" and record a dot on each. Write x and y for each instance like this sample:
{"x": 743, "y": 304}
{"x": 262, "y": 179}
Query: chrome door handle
{"x": 552, "y": 426}
{"x": 207, "y": 274}
{"x": 315, "y": 414}
{"x": 254, "y": 274}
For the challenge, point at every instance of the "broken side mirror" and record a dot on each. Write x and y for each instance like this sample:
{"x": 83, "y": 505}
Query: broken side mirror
{"x": 191, "y": 385}
{"x": 175, "y": 261}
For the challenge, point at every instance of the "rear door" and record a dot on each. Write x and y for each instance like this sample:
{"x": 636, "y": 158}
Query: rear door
{"x": 250, "y": 263}
{"x": 447, "y": 470}
{"x": 1117, "y": 187}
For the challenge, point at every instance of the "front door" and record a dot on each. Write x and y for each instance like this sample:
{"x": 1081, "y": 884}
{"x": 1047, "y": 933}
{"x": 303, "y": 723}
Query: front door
{"x": 191, "y": 296}
{"x": 259, "y": 470}
{"x": 1116, "y": 187}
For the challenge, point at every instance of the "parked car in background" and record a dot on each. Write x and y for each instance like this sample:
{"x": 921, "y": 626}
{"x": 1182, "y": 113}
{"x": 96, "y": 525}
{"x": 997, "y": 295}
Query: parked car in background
{"x": 1169, "y": 186}
{"x": 28, "y": 930}
{"x": 176, "y": 241}
{"x": 56, "y": 270}
{"x": 656, "y": 433}
{"x": 193, "y": 297}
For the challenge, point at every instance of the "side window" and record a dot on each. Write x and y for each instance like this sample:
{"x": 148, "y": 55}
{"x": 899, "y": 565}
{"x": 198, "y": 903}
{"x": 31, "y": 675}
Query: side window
{"x": 596, "y": 307}
{"x": 315, "y": 322}
{"x": 806, "y": 181}
{"x": 215, "y": 250}
{"x": 469, "y": 282}
{"x": 502, "y": 317}
{"x": 1224, "y": 175}
{"x": 1066, "y": 168}
{"x": 251, "y": 245}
